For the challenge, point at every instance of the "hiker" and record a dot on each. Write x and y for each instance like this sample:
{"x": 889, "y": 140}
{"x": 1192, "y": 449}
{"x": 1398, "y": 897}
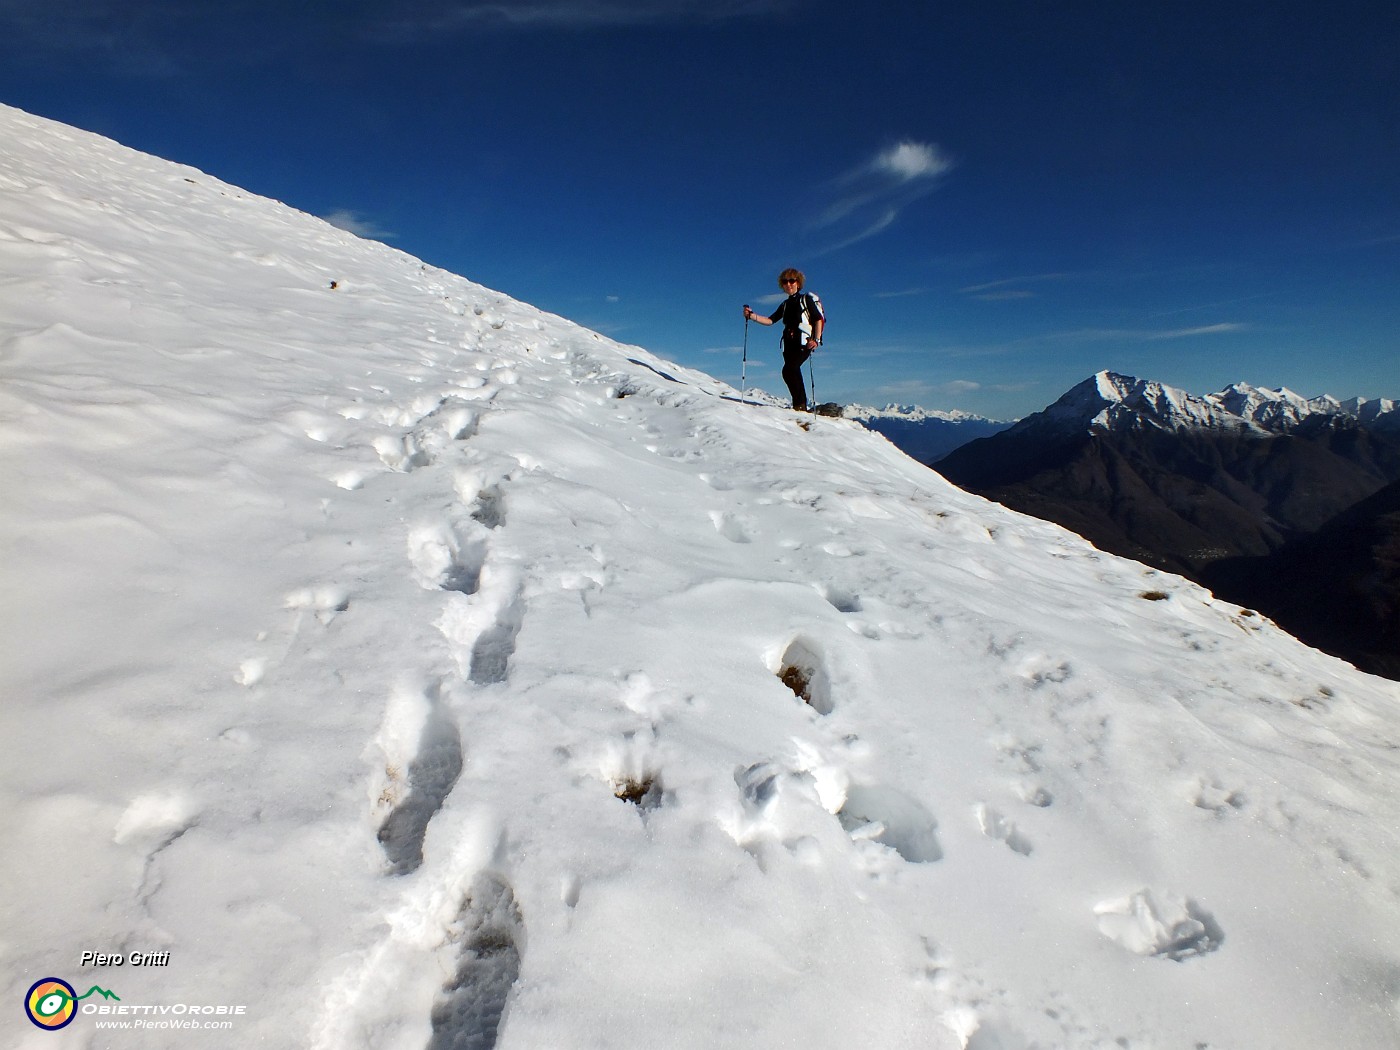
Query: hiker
{"x": 803, "y": 321}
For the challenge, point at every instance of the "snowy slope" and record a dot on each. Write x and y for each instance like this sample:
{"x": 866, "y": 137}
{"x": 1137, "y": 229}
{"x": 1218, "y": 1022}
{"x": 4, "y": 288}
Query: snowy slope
{"x": 337, "y": 619}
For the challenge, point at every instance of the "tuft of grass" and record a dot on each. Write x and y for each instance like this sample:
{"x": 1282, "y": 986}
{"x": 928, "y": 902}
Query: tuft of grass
{"x": 641, "y": 791}
{"x": 1154, "y": 596}
{"x": 799, "y": 680}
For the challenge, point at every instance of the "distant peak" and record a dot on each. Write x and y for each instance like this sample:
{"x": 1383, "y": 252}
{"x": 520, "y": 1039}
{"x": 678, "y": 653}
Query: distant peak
{"x": 1112, "y": 401}
{"x": 914, "y": 413}
{"x": 1114, "y": 386}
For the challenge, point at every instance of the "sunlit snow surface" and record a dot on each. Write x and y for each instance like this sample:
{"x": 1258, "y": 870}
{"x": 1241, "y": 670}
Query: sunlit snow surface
{"x": 343, "y": 598}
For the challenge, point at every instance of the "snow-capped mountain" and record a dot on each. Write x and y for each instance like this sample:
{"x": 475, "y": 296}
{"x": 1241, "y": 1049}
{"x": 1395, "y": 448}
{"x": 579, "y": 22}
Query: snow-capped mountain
{"x": 1112, "y": 402}
{"x": 925, "y": 434}
{"x": 1108, "y": 401}
{"x": 1187, "y": 483}
{"x": 1378, "y": 412}
{"x": 913, "y": 414}
{"x": 395, "y": 665}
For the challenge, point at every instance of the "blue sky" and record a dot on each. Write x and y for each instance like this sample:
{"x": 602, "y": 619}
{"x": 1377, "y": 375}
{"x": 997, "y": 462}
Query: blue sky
{"x": 994, "y": 199}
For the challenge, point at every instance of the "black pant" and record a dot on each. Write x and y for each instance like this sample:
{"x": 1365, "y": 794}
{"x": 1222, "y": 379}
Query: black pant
{"x": 794, "y": 355}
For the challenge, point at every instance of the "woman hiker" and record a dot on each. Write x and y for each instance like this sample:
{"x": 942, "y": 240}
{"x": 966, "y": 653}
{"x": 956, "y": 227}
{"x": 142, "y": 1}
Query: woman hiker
{"x": 803, "y": 322}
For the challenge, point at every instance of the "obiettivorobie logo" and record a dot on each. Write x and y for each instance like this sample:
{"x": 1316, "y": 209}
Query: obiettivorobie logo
{"x": 52, "y": 1003}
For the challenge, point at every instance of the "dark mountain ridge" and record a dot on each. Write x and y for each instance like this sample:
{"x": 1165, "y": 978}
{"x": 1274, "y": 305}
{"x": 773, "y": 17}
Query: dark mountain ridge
{"x": 1187, "y": 483}
{"x": 1337, "y": 589}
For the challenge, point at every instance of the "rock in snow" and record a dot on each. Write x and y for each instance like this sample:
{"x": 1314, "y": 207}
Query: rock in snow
{"x": 419, "y": 669}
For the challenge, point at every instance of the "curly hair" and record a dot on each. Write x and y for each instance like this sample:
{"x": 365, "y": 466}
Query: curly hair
{"x": 789, "y": 275}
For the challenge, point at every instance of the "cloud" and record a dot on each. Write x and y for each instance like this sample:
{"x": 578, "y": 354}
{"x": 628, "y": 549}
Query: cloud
{"x": 1151, "y": 334}
{"x": 1006, "y": 295}
{"x": 125, "y": 39}
{"x": 868, "y": 199}
{"x": 145, "y": 39}
{"x": 439, "y": 16}
{"x": 354, "y": 222}
{"x": 1188, "y": 333}
{"x": 912, "y": 160}
{"x": 1010, "y": 288}
{"x": 1215, "y": 305}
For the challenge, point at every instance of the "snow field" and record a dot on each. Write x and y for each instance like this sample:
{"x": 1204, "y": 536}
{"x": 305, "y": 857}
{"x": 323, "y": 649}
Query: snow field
{"x": 423, "y": 670}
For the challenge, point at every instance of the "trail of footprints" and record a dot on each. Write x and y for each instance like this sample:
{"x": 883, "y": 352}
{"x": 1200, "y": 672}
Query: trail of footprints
{"x": 483, "y": 611}
{"x": 1147, "y": 922}
{"x": 881, "y": 819}
{"x": 482, "y": 618}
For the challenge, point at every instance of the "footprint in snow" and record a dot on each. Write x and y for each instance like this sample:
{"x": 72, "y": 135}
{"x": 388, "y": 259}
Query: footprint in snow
{"x": 443, "y": 560}
{"x": 482, "y": 628}
{"x": 453, "y": 419}
{"x": 1213, "y": 796}
{"x": 1035, "y": 795}
{"x": 490, "y": 935}
{"x": 731, "y": 527}
{"x": 482, "y": 491}
{"x": 997, "y": 827}
{"x": 418, "y": 774}
{"x": 1159, "y": 925}
{"x": 489, "y": 507}
{"x": 402, "y": 454}
{"x": 490, "y": 656}
{"x": 326, "y": 602}
{"x": 436, "y": 423}
{"x": 894, "y": 819}
{"x": 840, "y": 598}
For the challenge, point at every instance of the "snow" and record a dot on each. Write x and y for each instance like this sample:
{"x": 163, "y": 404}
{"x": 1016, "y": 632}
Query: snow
{"x": 420, "y": 669}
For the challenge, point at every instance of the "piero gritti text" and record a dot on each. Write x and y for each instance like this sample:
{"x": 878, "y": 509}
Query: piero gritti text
{"x": 127, "y": 959}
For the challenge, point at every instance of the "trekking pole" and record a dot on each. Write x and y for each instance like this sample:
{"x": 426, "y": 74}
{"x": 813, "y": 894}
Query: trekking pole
{"x": 744, "y": 369}
{"x": 812, "y": 373}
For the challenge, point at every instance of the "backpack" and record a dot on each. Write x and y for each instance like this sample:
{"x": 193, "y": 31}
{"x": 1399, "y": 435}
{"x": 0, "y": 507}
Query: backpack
{"x": 812, "y": 312}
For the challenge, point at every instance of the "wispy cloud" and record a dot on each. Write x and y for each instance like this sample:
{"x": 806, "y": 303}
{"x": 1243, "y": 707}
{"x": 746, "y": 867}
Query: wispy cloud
{"x": 359, "y": 225}
{"x": 962, "y": 386}
{"x": 125, "y": 39}
{"x": 143, "y": 38}
{"x": 1205, "y": 329}
{"x": 439, "y": 16}
{"x": 867, "y": 200}
{"x": 1150, "y": 334}
{"x": 1214, "y": 305}
{"x": 1009, "y": 288}
{"x": 1005, "y": 295}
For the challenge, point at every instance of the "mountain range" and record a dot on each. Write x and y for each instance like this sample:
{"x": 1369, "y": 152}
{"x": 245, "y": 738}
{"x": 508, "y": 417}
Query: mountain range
{"x": 925, "y": 434}
{"x": 1237, "y": 489}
